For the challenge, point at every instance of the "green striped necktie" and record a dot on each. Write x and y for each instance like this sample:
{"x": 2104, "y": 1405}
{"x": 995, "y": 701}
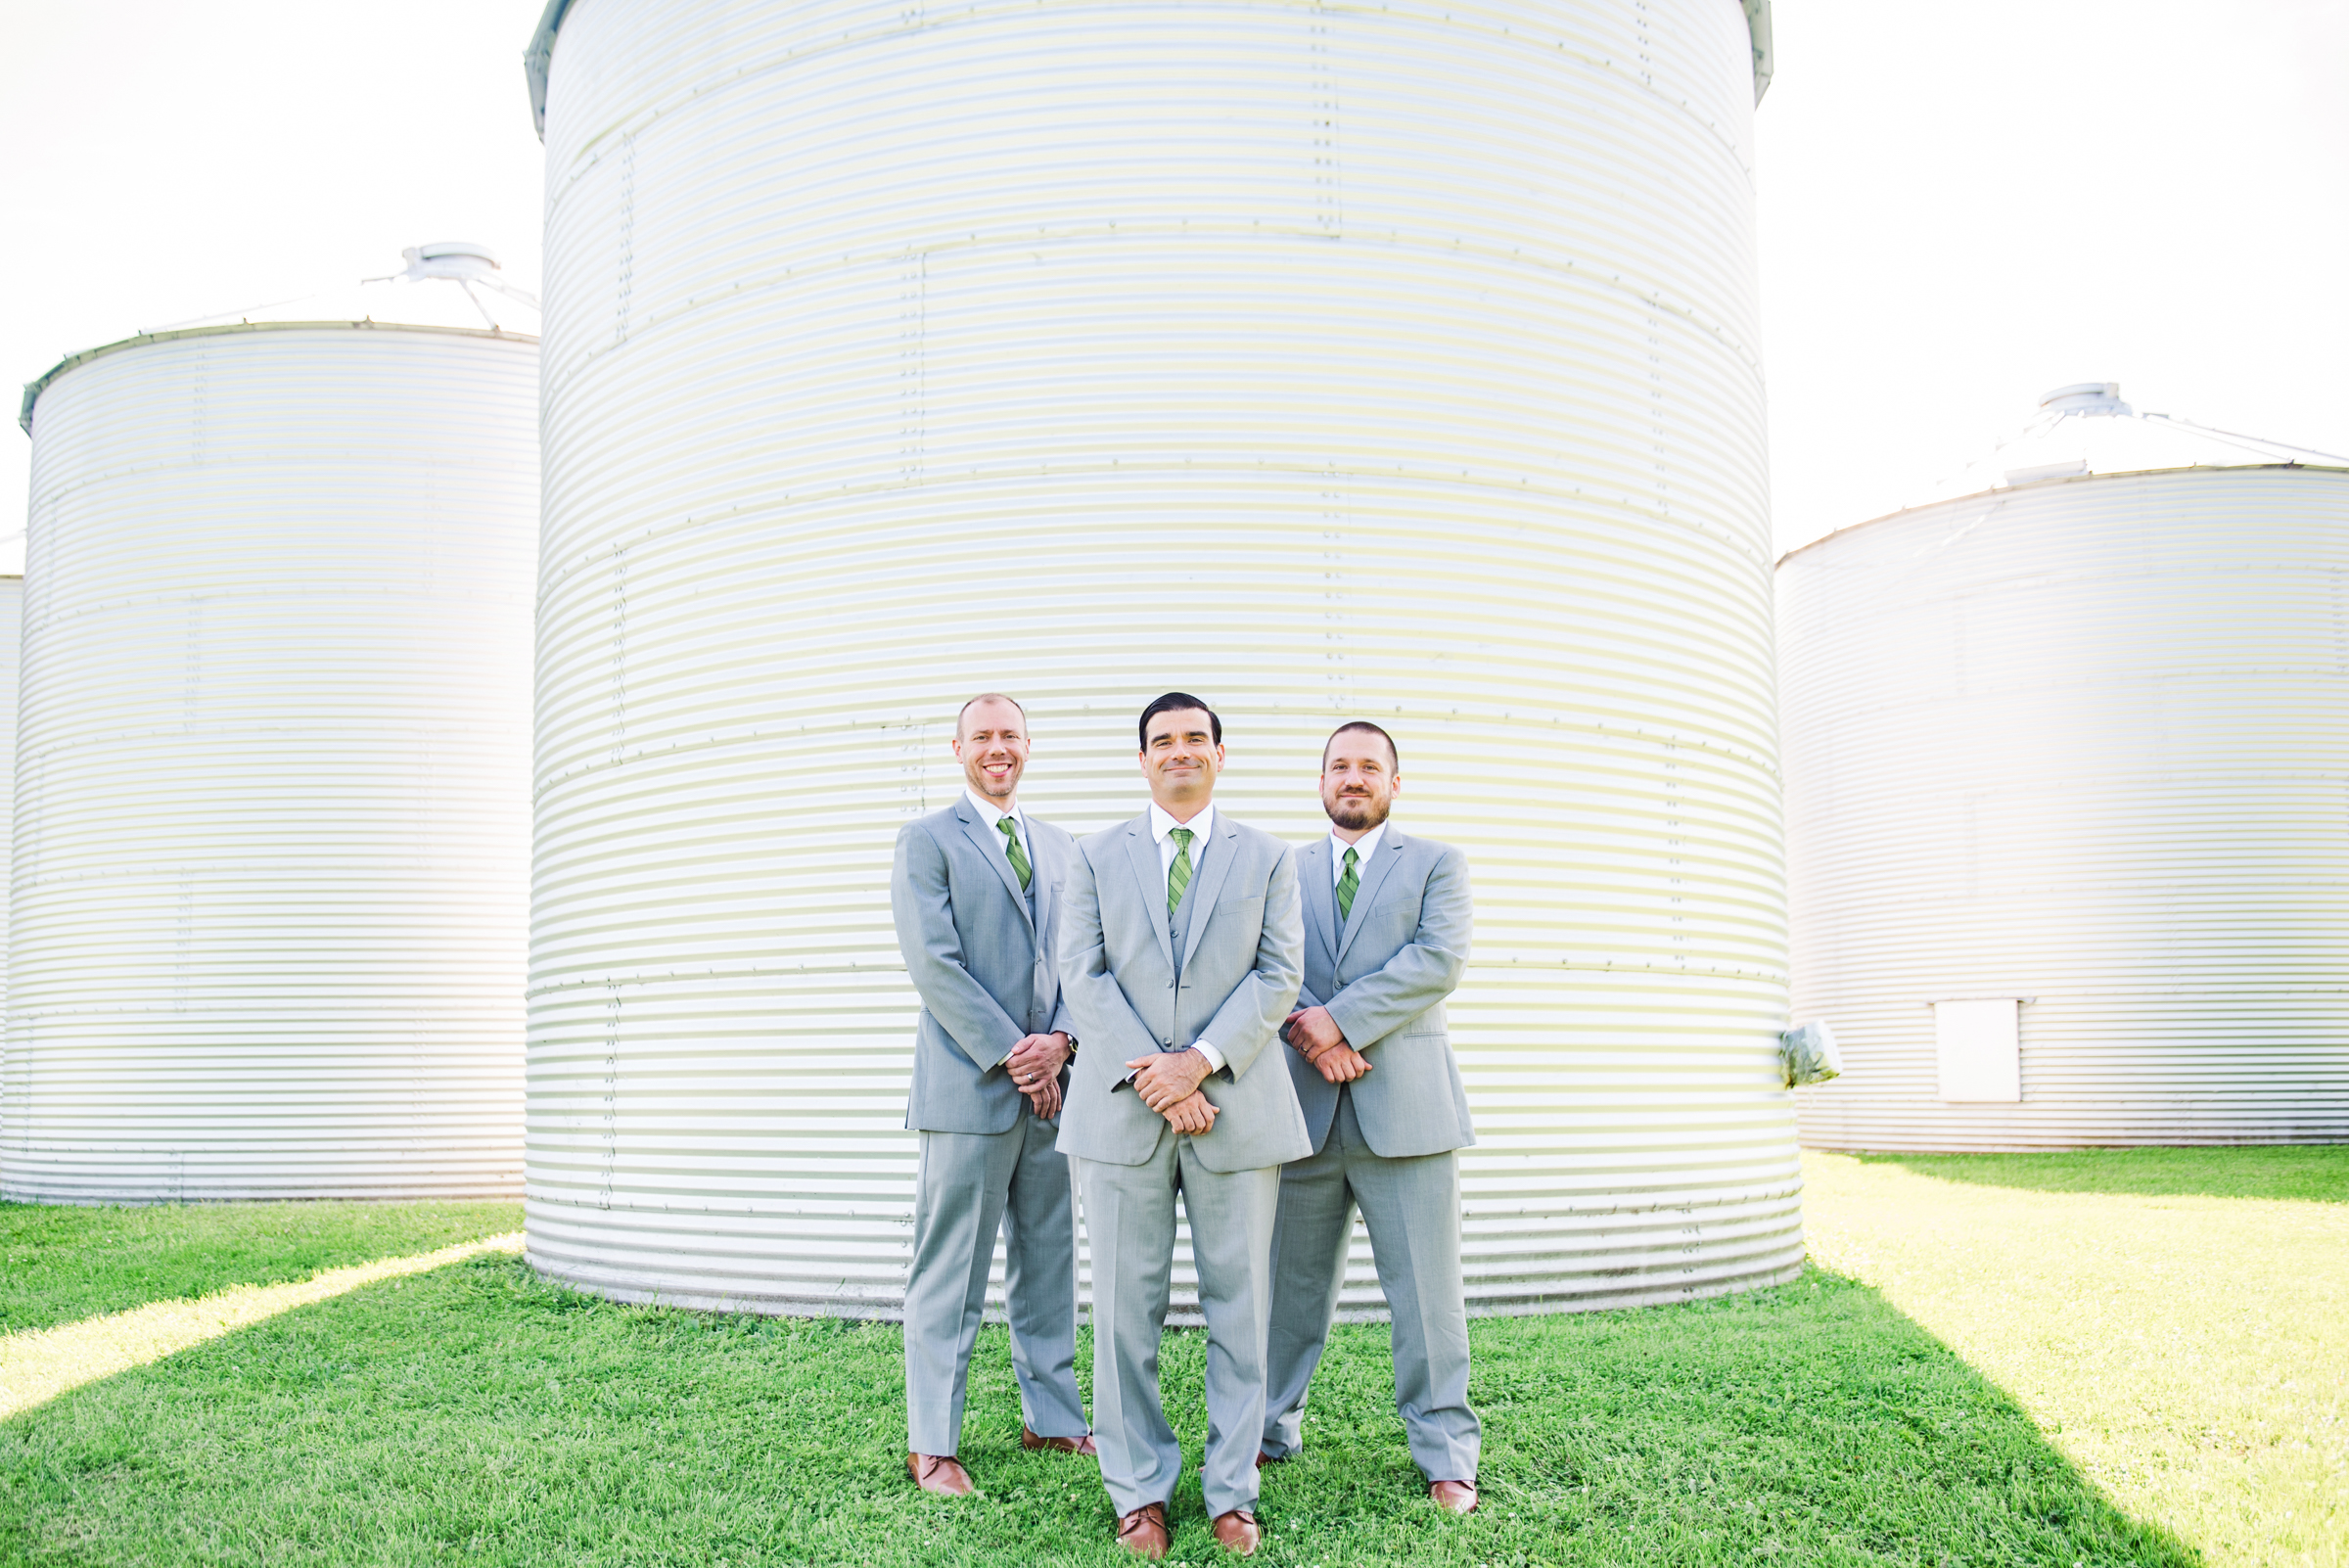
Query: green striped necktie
{"x": 1178, "y": 875}
{"x": 1019, "y": 856}
{"x": 1348, "y": 885}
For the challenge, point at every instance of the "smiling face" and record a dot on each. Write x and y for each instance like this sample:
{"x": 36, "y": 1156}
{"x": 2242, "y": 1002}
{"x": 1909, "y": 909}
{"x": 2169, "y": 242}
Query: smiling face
{"x": 1180, "y": 758}
{"x": 991, "y": 744}
{"x": 1358, "y": 781}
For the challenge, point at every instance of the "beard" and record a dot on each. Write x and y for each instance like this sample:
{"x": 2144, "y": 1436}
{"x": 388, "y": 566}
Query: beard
{"x": 988, "y": 789}
{"x": 1358, "y": 813}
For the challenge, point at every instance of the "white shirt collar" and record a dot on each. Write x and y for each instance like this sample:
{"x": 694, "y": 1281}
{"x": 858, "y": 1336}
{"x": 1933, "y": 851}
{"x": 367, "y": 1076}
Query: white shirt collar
{"x": 990, "y": 814}
{"x": 1364, "y": 848}
{"x": 1161, "y": 825}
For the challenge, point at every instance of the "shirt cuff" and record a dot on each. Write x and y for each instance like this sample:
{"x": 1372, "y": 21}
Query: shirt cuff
{"x": 1215, "y": 1057}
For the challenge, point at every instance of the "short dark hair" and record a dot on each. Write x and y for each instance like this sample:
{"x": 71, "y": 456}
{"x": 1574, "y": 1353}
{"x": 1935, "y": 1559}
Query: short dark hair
{"x": 985, "y": 697}
{"x": 1176, "y": 701}
{"x": 1363, "y": 726}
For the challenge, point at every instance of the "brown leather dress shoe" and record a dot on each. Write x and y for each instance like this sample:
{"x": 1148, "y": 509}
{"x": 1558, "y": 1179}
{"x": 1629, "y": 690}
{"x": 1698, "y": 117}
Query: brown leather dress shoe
{"x": 1144, "y": 1532}
{"x": 1031, "y": 1441}
{"x": 941, "y": 1475}
{"x": 1453, "y": 1497}
{"x": 1237, "y": 1534}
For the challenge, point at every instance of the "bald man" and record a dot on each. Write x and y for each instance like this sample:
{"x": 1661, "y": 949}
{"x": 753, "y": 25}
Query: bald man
{"x": 976, "y": 893}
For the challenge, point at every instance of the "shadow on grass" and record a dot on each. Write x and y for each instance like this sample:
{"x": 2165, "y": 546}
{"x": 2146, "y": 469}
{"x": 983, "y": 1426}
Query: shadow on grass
{"x": 2312, "y": 1173}
{"x": 478, "y": 1414}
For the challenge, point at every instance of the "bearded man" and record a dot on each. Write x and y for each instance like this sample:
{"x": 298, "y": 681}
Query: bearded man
{"x": 1387, "y": 921}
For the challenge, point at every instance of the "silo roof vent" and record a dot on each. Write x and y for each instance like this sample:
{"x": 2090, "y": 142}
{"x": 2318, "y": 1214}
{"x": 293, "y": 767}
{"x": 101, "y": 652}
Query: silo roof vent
{"x": 449, "y": 259}
{"x": 2086, "y": 398}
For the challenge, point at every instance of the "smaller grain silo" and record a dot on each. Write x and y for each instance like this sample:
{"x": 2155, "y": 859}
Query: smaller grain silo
{"x": 11, "y": 623}
{"x": 272, "y": 811}
{"x": 2064, "y": 767}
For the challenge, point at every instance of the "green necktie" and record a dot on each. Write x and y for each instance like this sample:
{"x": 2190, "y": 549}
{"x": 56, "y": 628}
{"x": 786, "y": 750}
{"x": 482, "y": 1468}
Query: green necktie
{"x": 1178, "y": 875}
{"x": 1348, "y": 885}
{"x": 1019, "y": 856}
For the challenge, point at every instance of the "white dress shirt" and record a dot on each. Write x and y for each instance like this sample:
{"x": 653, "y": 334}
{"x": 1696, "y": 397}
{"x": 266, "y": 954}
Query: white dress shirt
{"x": 991, "y": 813}
{"x": 1364, "y": 848}
{"x": 1203, "y": 828}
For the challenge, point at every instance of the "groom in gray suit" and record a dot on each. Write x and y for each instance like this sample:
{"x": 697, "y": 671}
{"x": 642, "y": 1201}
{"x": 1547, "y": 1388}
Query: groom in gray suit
{"x": 1179, "y": 948}
{"x": 976, "y": 894}
{"x": 1387, "y": 920}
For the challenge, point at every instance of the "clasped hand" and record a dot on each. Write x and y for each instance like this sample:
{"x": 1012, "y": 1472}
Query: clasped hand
{"x": 1169, "y": 1084}
{"x": 1035, "y": 1065}
{"x": 1314, "y": 1033}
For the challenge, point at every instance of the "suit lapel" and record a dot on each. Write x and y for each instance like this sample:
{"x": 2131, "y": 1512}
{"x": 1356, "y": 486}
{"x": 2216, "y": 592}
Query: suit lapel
{"x": 991, "y": 845}
{"x": 1321, "y": 896}
{"x": 1210, "y": 882}
{"x": 1045, "y": 863}
{"x": 1389, "y": 849}
{"x": 1141, "y": 852}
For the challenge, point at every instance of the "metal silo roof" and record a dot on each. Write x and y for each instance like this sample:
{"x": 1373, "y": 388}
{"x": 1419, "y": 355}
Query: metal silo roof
{"x": 2086, "y": 429}
{"x": 445, "y": 286}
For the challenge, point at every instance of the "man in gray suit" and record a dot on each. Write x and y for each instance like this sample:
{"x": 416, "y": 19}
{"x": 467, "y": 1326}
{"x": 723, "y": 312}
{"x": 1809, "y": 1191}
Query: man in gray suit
{"x": 1387, "y": 920}
{"x": 976, "y": 891}
{"x": 1180, "y": 948}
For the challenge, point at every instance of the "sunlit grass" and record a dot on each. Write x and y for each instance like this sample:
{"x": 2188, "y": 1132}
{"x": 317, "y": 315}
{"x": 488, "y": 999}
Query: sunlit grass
{"x": 37, "y": 1365}
{"x": 2189, "y": 1352}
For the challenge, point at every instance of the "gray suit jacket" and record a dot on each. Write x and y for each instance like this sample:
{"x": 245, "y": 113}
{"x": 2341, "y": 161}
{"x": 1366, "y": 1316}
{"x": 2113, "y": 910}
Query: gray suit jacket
{"x": 980, "y": 960}
{"x": 1384, "y": 980}
{"x": 1238, "y": 979}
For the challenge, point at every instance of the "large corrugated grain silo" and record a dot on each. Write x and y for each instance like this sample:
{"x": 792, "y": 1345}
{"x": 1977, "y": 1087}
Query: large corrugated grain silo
{"x": 270, "y": 855}
{"x": 2066, "y": 758}
{"x": 1394, "y": 363}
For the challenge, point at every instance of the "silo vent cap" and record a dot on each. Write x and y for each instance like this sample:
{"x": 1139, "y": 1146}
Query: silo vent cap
{"x": 2086, "y": 398}
{"x": 449, "y": 259}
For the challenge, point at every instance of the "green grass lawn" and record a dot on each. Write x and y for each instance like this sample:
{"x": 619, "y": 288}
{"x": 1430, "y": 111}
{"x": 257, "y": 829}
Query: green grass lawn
{"x": 478, "y": 1414}
{"x": 2177, "y": 1350}
{"x": 2314, "y": 1173}
{"x": 59, "y": 1265}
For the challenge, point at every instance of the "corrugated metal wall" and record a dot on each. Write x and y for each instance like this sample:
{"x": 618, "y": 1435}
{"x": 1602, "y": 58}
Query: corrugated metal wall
{"x": 272, "y": 771}
{"x": 2083, "y": 742}
{"x": 1327, "y": 363}
{"x": 12, "y": 628}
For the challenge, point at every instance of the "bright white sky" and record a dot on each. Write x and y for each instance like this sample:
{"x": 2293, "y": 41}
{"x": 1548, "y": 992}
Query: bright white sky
{"x": 1963, "y": 204}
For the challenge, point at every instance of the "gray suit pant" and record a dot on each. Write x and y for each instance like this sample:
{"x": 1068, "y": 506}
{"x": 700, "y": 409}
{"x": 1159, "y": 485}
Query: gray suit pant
{"x": 1130, "y": 1218}
{"x": 1413, "y": 1208}
{"x": 970, "y": 1185}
